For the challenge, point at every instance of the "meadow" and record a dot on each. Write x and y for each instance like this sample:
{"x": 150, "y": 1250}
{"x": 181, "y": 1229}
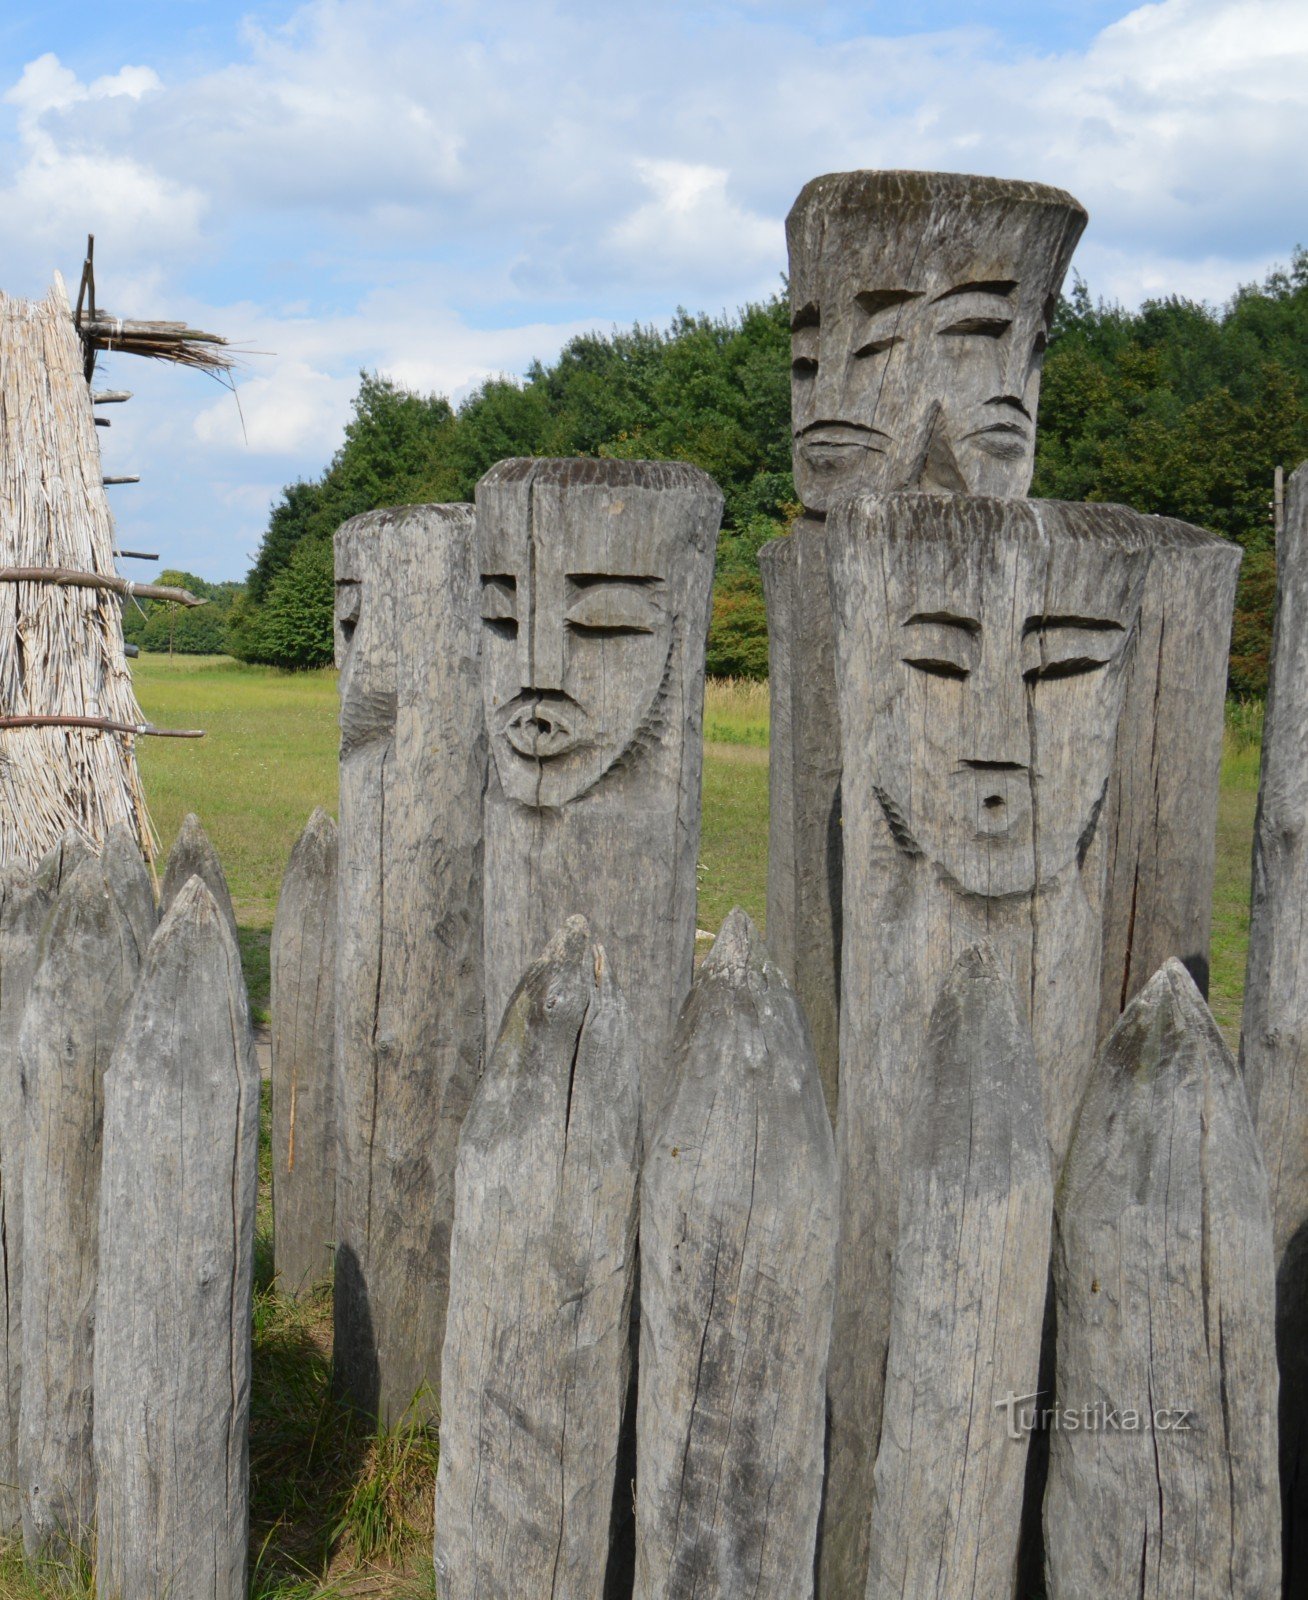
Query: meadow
{"x": 338, "y": 1511}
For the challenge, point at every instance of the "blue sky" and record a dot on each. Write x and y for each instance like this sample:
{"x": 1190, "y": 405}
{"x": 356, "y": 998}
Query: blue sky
{"x": 444, "y": 191}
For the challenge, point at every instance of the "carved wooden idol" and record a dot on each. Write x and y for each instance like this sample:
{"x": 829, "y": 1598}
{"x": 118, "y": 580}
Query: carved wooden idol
{"x": 982, "y": 651}
{"x": 920, "y": 306}
{"x": 595, "y": 595}
{"x": 409, "y": 993}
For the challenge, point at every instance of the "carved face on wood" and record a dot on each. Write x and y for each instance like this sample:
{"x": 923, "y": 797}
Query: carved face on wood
{"x": 582, "y": 589}
{"x": 996, "y": 673}
{"x": 920, "y": 306}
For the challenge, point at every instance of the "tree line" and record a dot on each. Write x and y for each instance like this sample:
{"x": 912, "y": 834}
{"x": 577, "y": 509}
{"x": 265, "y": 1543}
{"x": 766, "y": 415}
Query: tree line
{"x": 1178, "y": 408}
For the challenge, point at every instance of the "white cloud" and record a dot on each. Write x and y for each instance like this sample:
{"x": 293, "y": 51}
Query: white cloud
{"x": 445, "y": 192}
{"x": 278, "y": 415}
{"x": 691, "y": 219}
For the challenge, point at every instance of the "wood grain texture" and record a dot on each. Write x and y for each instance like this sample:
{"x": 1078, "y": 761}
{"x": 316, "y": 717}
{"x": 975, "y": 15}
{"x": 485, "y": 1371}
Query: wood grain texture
{"x": 88, "y": 967}
{"x": 1165, "y": 1295}
{"x": 25, "y": 901}
{"x": 738, "y": 1240}
{"x": 193, "y": 856}
{"x": 804, "y": 826}
{"x": 409, "y": 941}
{"x": 303, "y": 1069}
{"x": 1160, "y": 814}
{"x": 1274, "y": 1040}
{"x": 543, "y": 1261}
{"x": 597, "y": 580}
{"x": 982, "y": 648}
{"x": 172, "y": 1334}
{"x": 970, "y": 1273}
{"x": 920, "y": 304}
{"x": 130, "y": 880}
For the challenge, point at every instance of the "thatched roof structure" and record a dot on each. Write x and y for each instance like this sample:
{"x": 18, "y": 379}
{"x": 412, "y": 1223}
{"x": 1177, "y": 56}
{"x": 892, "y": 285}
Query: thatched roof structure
{"x": 61, "y": 640}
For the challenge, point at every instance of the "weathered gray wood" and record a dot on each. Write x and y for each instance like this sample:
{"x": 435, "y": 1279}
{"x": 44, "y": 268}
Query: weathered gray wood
{"x": 970, "y": 1272}
{"x": 88, "y": 967}
{"x": 409, "y": 940}
{"x": 804, "y": 830}
{"x": 25, "y": 901}
{"x": 193, "y": 856}
{"x": 920, "y": 303}
{"x": 1160, "y": 814}
{"x": 129, "y": 878}
{"x": 738, "y": 1240}
{"x": 870, "y": 252}
{"x": 982, "y": 649}
{"x": 596, "y": 579}
{"x": 172, "y": 1333}
{"x": 543, "y": 1261}
{"x": 303, "y": 1072}
{"x": 887, "y": 394}
{"x": 1165, "y": 1301}
{"x": 1274, "y": 1040}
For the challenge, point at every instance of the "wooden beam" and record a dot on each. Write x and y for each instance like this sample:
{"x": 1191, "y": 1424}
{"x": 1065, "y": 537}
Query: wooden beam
{"x": 104, "y": 723}
{"x": 73, "y": 578}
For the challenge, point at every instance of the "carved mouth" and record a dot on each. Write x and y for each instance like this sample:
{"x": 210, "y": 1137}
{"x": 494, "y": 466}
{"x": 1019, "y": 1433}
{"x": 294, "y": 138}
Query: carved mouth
{"x": 542, "y": 728}
{"x": 831, "y": 444}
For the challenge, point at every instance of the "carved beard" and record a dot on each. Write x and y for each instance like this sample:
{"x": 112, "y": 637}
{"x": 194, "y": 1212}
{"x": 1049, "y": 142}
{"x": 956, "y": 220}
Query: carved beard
{"x": 646, "y": 736}
{"x": 903, "y": 836}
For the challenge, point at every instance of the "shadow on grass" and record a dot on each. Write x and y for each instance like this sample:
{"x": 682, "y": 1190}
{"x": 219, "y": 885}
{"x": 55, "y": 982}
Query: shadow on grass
{"x": 330, "y": 1498}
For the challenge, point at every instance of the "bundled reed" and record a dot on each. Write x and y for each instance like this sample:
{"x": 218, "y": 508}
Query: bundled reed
{"x": 61, "y": 645}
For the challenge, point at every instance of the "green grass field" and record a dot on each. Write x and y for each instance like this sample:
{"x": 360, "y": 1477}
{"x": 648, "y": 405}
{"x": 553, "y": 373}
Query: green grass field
{"x": 336, "y": 1511}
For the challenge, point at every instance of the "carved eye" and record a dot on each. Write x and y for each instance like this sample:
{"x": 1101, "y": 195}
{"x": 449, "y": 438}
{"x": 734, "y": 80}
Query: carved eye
{"x": 980, "y": 327}
{"x": 611, "y": 610}
{"x": 347, "y": 607}
{"x": 943, "y": 645}
{"x": 499, "y": 606}
{"x": 938, "y": 667}
{"x": 876, "y": 347}
{"x": 803, "y": 367}
{"x": 1070, "y": 648}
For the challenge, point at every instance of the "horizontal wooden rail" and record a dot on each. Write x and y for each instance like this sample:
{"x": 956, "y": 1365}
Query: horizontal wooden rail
{"x": 74, "y": 578}
{"x": 105, "y": 724}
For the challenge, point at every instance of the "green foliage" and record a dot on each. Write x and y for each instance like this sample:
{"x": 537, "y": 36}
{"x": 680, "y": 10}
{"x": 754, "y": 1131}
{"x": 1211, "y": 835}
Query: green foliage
{"x": 1179, "y": 409}
{"x": 162, "y": 625}
{"x": 293, "y": 626}
{"x": 1184, "y": 410}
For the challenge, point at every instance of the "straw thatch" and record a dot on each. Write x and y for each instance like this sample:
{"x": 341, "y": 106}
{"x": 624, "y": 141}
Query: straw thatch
{"x": 61, "y": 645}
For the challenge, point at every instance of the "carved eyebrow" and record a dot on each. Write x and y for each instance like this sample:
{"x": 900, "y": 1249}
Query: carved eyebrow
{"x": 1086, "y": 624}
{"x": 808, "y": 316}
{"x": 875, "y": 301}
{"x": 948, "y": 619}
{"x": 1002, "y": 287}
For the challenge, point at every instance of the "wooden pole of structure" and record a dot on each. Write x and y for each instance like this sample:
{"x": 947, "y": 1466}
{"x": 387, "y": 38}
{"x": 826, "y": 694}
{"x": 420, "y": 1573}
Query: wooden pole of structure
{"x": 1274, "y": 1036}
{"x": 25, "y": 901}
{"x": 596, "y": 580}
{"x": 70, "y": 1026}
{"x": 738, "y": 1242}
{"x": 970, "y": 1274}
{"x": 303, "y": 1067}
{"x": 983, "y": 648}
{"x": 71, "y": 578}
{"x": 409, "y": 937}
{"x": 1162, "y": 1462}
{"x": 177, "y": 1208}
{"x": 542, "y": 1267}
